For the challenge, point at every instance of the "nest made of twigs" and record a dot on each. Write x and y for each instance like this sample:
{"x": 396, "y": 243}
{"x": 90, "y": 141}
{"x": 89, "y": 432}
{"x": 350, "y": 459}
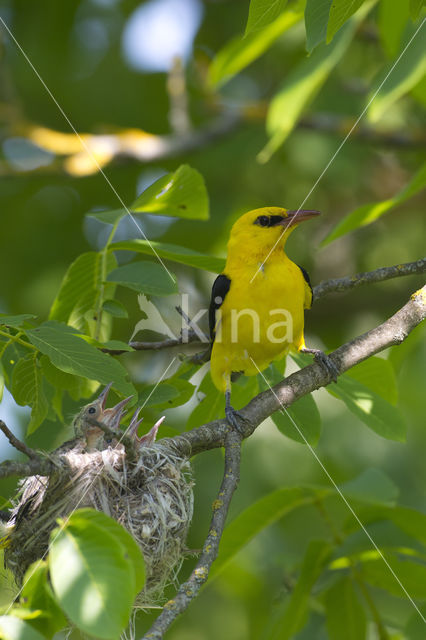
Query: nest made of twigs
{"x": 151, "y": 498}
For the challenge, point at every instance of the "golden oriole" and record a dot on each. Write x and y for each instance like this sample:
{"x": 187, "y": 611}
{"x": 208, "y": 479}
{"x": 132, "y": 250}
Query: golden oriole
{"x": 257, "y": 305}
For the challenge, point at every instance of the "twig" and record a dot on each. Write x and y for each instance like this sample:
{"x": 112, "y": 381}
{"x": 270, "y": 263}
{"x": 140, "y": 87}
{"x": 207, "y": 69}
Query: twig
{"x": 126, "y": 441}
{"x": 168, "y": 343}
{"x": 338, "y": 285}
{"x": 189, "y": 589}
{"x": 392, "y": 332}
{"x": 15, "y": 442}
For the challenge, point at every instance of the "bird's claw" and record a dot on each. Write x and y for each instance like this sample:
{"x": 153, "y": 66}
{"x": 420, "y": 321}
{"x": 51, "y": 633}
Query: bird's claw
{"x": 236, "y": 420}
{"x": 325, "y": 361}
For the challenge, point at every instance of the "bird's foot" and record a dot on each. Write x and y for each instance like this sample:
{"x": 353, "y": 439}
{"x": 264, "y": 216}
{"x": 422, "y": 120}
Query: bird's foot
{"x": 325, "y": 361}
{"x": 237, "y": 421}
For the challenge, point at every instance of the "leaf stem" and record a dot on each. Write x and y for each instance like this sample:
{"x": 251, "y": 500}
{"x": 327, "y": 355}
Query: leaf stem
{"x": 100, "y": 300}
{"x": 16, "y": 338}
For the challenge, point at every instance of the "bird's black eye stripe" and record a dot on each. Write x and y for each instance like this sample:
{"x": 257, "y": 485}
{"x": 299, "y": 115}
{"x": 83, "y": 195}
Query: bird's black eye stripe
{"x": 268, "y": 221}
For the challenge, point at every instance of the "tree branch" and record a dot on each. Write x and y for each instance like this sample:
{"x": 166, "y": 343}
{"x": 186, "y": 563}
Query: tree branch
{"x": 34, "y": 467}
{"x": 392, "y": 332}
{"x": 337, "y": 285}
{"x": 15, "y": 442}
{"x": 189, "y": 589}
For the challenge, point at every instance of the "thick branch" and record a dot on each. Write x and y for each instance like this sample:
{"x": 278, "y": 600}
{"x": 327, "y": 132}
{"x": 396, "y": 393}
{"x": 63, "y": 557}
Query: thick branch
{"x": 189, "y": 589}
{"x": 392, "y": 332}
{"x": 337, "y": 285}
{"x": 15, "y": 442}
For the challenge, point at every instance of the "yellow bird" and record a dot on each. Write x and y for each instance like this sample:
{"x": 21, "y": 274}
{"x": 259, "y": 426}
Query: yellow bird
{"x": 257, "y": 305}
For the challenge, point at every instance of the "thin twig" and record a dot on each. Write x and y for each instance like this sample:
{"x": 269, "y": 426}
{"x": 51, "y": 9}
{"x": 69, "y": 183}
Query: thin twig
{"x": 337, "y": 285}
{"x": 33, "y": 467}
{"x": 189, "y": 589}
{"x": 15, "y": 442}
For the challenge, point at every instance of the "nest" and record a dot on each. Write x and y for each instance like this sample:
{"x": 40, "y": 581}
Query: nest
{"x": 152, "y": 499}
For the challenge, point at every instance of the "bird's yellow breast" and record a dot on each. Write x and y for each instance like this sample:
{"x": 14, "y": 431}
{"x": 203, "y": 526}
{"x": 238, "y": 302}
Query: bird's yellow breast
{"x": 261, "y": 317}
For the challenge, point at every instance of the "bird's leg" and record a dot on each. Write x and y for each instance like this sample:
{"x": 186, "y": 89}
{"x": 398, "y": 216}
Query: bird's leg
{"x": 234, "y": 417}
{"x": 324, "y": 360}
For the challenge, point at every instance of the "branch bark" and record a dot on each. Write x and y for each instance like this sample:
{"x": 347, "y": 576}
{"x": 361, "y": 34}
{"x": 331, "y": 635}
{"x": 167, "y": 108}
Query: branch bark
{"x": 189, "y": 589}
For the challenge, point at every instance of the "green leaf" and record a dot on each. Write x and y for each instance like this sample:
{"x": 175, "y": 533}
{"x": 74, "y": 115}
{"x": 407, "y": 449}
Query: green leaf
{"x": 72, "y": 354}
{"x": 145, "y": 277}
{"x": 392, "y": 21}
{"x": 373, "y": 486}
{"x": 58, "y": 378}
{"x": 316, "y": 20}
{"x": 108, "y": 217}
{"x": 12, "y": 628}
{"x": 92, "y": 577}
{"x": 211, "y": 407}
{"x": 345, "y": 616}
{"x": 340, "y": 12}
{"x": 294, "y": 615}
{"x": 376, "y": 413}
{"x": 80, "y": 290}
{"x": 369, "y": 213}
{"x": 122, "y": 536}
{"x": 254, "y": 519}
{"x": 181, "y": 194}
{"x": 115, "y": 308}
{"x": 242, "y": 51}
{"x": 15, "y": 321}
{"x": 262, "y": 13}
{"x": 305, "y": 414}
{"x": 37, "y": 594}
{"x": 185, "y": 391}
{"x": 411, "y": 574}
{"x": 157, "y": 394}
{"x": 300, "y": 87}
{"x": 399, "y": 77}
{"x": 27, "y": 389}
{"x": 415, "y": 627}
{"x": 173, "y": 252}
{"x": 415, "y": 7}
{"x": 378, "y": 375}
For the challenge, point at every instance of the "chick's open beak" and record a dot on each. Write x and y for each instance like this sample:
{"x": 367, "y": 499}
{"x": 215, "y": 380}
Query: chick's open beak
{"x": 102, "y": 398}
{"x": 294, "y": 216}
{"x": 112, "y": 417}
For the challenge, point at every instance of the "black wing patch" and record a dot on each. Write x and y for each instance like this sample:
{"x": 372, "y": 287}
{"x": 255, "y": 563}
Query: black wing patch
{"x": 308, "y": 280}
{"x": 219, "y": 290}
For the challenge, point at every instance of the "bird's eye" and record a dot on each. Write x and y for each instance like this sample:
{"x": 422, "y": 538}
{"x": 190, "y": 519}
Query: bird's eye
{"x": 91, "y": 410}
{"x": 263, "y": 221}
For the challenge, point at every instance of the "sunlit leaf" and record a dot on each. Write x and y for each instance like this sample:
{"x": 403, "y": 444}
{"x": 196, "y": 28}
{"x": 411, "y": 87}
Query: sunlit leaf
{"x": 72, "y": 354}
{"x": 316, "y": 20}
{"x": 372, "y": 409}
{"x": 12, "y": 628}
{"x": 108, "y": 217}
{"x": 144, "y": 277}
{"x": 294, "y": 615}
{"x": 399, "y": 76}
{"x": 340, "y": 12}
{"x": 369, "y": 213}
{"x": 242, "y": 51}
{"x": 262, "y": 13}
{"x": 181, "y": 194}
{"x": 408, "y": 572}
{"x": 92, "y": 577}
{"x": 301, "y": 86}
{"x": 345, "y": 616}
{"x": 378, "y": 375}
{"x": 37, "y": 594}
{"x": 415, "y": 8}
{"x": 173, "y": 252}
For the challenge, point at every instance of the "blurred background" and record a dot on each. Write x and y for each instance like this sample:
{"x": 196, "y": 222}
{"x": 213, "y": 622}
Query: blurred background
{"x": 122, "y": 68}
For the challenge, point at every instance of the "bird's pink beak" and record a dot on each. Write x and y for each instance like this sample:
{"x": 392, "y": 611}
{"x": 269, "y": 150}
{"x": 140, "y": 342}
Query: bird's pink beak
{"x": 113, "y": 416}
{"x": 294, "y": 216}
